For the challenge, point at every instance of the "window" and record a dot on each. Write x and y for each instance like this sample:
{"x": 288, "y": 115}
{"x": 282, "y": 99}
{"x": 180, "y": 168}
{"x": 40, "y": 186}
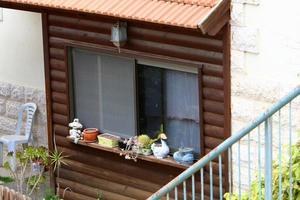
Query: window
{"x": 127, "y": 97}
{"x": 169, "y": 97}
{"x": 104, "y": 92}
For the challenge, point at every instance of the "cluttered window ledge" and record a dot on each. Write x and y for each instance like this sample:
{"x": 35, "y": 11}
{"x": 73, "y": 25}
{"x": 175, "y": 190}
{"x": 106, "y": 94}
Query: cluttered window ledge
{"x": 169, "y": 161}
{"x": 108, "y": 143}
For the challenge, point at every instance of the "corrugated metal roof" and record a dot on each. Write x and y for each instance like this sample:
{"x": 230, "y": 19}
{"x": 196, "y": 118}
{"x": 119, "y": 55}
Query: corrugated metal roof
{"x": 196, "y": 2}
{"x": 182, "y": 13}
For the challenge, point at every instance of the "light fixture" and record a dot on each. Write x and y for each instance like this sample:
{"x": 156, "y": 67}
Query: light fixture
{"x": 119, "y": 34}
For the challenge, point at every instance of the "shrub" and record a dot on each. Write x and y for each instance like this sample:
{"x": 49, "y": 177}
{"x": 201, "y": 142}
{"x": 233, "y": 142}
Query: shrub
{"x": 37, "y": 160}
{"x": 6, "y": 180}
{"x": 285, "y": 171}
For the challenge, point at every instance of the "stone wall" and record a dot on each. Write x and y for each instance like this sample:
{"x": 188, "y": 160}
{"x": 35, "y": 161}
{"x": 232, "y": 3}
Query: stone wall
{"x": 265, "y": 66}
{"x": 11, "y": 98}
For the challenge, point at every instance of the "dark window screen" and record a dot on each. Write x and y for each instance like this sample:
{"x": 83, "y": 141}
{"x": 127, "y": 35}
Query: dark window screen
{"x": 169, "y": 97}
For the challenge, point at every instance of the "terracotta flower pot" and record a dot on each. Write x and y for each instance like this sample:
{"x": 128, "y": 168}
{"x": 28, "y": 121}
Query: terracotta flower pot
{"x": 90, "y": 134}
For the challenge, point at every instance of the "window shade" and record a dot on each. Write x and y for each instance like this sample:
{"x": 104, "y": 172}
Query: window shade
{"x": 104, "y": 92}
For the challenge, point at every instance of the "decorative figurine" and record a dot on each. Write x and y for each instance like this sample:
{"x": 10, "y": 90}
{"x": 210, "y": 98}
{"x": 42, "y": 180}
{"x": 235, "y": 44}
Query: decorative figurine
{"x": 75, "y": 132}
{"x": 131, "y": 149}
{"x": 162, "y": 150}
{"x": 184, "y": 156}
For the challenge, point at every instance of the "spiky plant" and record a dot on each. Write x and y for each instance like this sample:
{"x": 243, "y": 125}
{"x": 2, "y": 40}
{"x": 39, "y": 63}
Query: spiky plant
{"x": 144, "y": 141}
{"x": 57, "y": 159}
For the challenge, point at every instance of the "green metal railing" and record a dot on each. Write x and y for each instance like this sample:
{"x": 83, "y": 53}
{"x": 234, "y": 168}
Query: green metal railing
{"x": 179, "y": 189}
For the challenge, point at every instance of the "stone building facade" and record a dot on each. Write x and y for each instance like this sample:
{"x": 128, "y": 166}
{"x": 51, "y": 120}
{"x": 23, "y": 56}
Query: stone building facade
{"x": 265, "y": 66}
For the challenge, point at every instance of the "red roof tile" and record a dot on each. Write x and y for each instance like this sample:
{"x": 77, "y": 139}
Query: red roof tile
{"x": 182, "y": 13}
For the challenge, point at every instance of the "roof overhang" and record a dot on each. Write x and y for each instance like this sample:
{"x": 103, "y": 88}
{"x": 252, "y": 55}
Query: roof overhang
{"x": 207, "y": 15}
{"x": 218, "y": 16}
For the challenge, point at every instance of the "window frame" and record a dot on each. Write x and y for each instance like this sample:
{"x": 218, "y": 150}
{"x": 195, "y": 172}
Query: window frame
{"x": 136, "y": 55}
{"x": 163, "y": 117}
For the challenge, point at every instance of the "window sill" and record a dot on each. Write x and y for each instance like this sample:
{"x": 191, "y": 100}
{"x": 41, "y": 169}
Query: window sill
{"x": 167, "y": 161}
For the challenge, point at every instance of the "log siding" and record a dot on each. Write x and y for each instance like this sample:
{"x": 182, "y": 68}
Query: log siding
{"x": 89, "y": 170}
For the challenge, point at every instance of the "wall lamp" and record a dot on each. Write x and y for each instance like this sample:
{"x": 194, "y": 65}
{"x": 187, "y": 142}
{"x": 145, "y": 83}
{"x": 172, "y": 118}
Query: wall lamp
{"x": 119, "y": 34}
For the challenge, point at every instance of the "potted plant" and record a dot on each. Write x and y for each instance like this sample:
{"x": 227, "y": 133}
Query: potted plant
{"x": 144, "y": 143}
{"x": 38, "y": 158}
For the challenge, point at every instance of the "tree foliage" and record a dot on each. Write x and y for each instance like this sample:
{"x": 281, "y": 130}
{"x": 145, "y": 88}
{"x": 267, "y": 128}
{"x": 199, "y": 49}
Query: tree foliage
{"x": 35, "y": 160}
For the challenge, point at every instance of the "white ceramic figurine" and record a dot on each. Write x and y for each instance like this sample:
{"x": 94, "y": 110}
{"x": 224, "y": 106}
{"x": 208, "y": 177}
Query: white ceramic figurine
{"x": 75, "y": 131}
{"x": 162, "y": 150}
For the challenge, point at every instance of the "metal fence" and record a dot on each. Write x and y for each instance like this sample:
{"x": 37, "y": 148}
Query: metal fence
{"x": 266, "y": 156}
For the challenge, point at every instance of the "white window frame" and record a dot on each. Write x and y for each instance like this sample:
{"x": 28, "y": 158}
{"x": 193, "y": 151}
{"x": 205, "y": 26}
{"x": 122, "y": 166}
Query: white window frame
{"x": 165, "y": 65}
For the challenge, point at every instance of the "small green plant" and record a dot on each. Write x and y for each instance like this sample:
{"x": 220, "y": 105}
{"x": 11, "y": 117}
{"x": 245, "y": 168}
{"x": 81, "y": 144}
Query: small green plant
{"x": 285, "y": 171}
{"x": 100, "y": 196}
{"x": 144, "y": 141}
{"x": 56, "y": 160}
{"x": 51, "y": 196}
{"x": 6, "y": 180}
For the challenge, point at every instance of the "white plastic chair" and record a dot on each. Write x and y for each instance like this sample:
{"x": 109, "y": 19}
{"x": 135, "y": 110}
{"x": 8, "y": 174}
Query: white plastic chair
{"x": 13, "y": 140}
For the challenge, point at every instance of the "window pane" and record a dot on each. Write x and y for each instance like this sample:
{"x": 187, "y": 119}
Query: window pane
{"x": 150, "y": 88}
{"x": 86, "y": 88}
{"x": 182, "y": 109}
{"x": 169, "y": 97}
{"x": 104, "y": 92}
{"x": 118, "y": 96}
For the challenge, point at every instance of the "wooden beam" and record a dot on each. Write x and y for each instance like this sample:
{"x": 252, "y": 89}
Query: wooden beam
{"x": 227, "y": 89}
{"x": 220, "y": 24}
{"x": 214, "y": 16}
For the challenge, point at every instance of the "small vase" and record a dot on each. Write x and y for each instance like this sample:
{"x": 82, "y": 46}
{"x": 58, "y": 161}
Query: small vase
{"x": 146, "y": 152}
{"x": 184, "y": 156}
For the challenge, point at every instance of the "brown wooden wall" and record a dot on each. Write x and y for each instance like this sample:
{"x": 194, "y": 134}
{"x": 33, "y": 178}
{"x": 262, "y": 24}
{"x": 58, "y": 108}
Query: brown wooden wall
{"x": 90, "y": 170}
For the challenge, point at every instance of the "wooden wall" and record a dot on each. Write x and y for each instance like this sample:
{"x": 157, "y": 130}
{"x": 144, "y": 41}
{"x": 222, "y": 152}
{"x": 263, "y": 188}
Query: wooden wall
{"x": 90, "y": 170}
